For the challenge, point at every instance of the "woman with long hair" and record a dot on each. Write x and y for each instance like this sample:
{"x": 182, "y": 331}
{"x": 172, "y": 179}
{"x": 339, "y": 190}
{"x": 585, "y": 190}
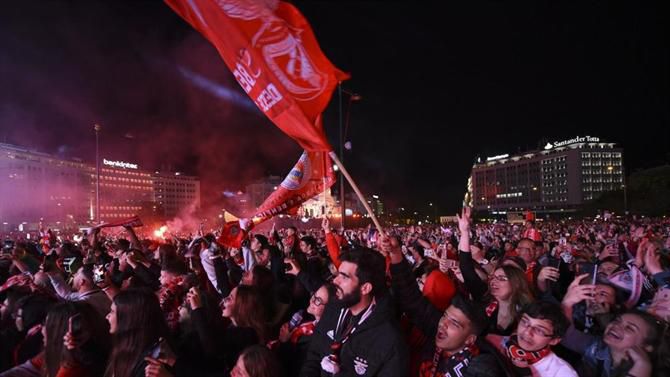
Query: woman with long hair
{"x": 505, "y": 295}
{"x": 633, "y": 344}
{"x": 138, "y": 329}
{"x": 244, "y": 309}
{"x": 295, "y": 335}
{"x": 508, "y": 293}
{"x": 87, "y": 341}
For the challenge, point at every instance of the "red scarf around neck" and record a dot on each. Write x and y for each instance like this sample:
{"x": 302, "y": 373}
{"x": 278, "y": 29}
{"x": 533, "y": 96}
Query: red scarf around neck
{"x": 519, "y": 356}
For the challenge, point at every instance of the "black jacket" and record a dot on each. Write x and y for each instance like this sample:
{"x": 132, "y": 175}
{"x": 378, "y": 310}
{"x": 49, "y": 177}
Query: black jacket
{"x": 227, "y": 344}
{"x": 426, "y": 318}
{"x": 375, "y": 348}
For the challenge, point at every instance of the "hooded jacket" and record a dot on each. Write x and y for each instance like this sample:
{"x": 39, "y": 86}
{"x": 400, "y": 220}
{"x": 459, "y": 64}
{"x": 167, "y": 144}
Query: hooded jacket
{"x": 374, "y": 348}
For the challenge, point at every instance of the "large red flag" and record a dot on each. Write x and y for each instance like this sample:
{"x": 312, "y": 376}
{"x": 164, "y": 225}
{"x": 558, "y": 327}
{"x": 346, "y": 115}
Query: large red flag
{"x": 274, "y": 56}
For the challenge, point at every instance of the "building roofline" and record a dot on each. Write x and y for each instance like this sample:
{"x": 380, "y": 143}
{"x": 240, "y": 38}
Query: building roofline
{"x": 505, "y": 158}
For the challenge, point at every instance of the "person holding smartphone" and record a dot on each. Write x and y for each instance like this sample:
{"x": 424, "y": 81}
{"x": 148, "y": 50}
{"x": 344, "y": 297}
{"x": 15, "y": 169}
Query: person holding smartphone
{"x": 590, "y": 305}
{"x": 629, "y": 346}
{"x": 136, "y": 324}
{"x": 76, "y": 340}
{"x": 83, "y": 288}
{"x": 75, "y": 343}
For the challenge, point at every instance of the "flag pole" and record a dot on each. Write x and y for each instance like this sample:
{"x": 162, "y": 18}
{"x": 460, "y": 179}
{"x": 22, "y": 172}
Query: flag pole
{"x": 325, "y": 187}
{"x": 355, "y": 187}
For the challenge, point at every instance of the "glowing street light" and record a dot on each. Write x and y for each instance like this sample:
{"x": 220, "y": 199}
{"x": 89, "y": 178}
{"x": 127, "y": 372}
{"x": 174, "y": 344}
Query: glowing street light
{"x": 97, "y": 128}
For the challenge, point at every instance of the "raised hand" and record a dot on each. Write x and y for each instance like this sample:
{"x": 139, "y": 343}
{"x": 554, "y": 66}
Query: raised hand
{"x": 608, "y": 251}
{"x": 194, "y": 299}
{"x": 295, "y": 270}
{"x": 325, "y": 224}
{"x": 578, "y": 292}
{"x": 548, "y": 273}
{"x": 652, "y": 260}
{"x": 390, "y": 246}
{"x": 464, "y": 220}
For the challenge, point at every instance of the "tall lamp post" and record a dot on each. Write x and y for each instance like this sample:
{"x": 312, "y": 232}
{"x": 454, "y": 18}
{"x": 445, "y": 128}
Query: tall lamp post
{"x": 97, "y": 127}
{"x": 625, "y": 187}
{"x": 353, "y": 97}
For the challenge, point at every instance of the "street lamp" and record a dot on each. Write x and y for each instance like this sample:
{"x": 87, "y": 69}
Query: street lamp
{"x": 625, "y": 195}
{"x": 97, "y": 128}
{"x": 352, "y": 98}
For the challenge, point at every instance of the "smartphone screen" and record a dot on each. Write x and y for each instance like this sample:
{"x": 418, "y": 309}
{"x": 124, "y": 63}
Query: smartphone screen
{"x": 163, "y": 351}
{"x": 588, "y": 268}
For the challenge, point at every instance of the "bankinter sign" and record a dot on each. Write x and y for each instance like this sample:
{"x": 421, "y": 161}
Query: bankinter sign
{"x": 119, "y": 164}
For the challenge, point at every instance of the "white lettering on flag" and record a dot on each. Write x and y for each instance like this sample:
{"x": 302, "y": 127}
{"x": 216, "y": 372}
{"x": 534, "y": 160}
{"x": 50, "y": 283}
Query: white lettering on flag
{"x": 268, "y": 97}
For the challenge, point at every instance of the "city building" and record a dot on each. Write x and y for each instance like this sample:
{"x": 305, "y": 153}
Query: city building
{"x": 237, "y": 203}
{"x": 175, "y": 192}
{"x": 314, "y": 207}
{"x": 125, "y": 190}
{"x": 261, "y": 189}
{"x": 558, "y": 178}
{"x": 36, "y": 186}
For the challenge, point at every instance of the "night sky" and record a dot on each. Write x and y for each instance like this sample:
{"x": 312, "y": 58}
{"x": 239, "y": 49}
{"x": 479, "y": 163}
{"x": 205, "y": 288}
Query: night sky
{"x": 439, "y": 85}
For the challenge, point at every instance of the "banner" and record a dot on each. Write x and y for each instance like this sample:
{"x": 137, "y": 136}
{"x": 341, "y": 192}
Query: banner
{"x": 131, "y": 221}
{"x": 274, "y": 56}
{"x": 311, "y": 176}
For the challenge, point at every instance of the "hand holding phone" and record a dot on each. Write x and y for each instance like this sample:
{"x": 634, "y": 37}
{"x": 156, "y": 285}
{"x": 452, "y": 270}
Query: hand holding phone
{"x": 164, "y": 353}
{"x": 291, "y": 267}
{"x": 72, "y": 340}
{"x": 74, "y": 325}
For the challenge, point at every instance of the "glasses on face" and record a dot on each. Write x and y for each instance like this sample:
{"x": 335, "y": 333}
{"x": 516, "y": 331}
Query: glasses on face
{"x": 498, "y": 277}
{"x": 524, "y": 325}
{"x": 317, "y": 301}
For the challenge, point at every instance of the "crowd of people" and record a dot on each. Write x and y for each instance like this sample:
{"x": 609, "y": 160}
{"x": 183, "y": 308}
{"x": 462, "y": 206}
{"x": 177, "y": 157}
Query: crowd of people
{"x": 545, "y": 298}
